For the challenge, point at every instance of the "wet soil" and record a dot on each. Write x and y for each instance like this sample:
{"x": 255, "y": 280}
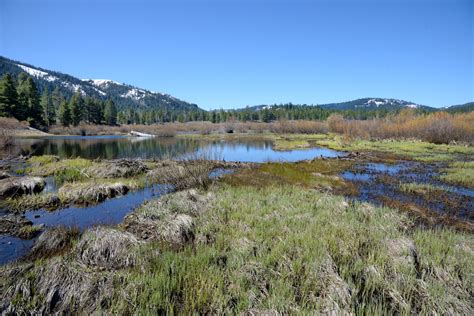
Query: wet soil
{"x": 380, "y": 183}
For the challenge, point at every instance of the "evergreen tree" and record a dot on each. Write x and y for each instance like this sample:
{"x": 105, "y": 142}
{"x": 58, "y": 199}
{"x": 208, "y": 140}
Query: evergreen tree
{"x": 57, "y": 98}
{"x": 49, "y": 112}
{"x": 8, "y": 96}
{"x": 65, "y": 116}
{"x": 21, "y": 111}
{"x": 35, "y": 112}
{"x": 110, "y": 113}
{"x": 77, "y": 108}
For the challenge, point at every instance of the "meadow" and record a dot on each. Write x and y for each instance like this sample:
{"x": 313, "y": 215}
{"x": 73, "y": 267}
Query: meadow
{"x": 264, "y": 238}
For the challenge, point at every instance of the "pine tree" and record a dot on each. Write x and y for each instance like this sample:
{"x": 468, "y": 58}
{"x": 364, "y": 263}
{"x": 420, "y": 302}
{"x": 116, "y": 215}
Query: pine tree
{"x": 77, "y": 108}
{"x": 65, "y": 116}
{"x": 49, "y": 112}
{"x": 8, "y": 96}
{"x": 110, "y": 113}
{"x": 35, "y": 113}
{"x": 21, "y": 111}
{"x": 57, "y": 98}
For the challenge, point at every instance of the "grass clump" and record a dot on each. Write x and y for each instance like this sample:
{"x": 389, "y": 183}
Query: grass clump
{"x": 29, "y": 231}
{"x": 65, "y": 170}
{"x": 422, "y": 188}
{"x": 460, "y": 173}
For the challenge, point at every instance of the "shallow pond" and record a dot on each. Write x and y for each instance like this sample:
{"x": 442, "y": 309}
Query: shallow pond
{"x": 109, "y": 212}
{"x": 112, "y": 147}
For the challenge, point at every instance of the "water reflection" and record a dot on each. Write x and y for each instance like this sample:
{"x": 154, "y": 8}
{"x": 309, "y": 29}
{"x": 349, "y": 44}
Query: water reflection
{"x": 113, "y": 147}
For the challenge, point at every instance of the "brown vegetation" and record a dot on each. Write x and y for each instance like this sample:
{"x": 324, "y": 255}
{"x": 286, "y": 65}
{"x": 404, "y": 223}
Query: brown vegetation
{"x": 438, "y": 128}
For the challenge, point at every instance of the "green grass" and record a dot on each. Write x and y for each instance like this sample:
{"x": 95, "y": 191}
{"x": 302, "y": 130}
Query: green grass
{"x": 459, "y": 173}
{"x": 318, "y": 173}
{"x": 414, "y": 149}
{"x": 423, "y": 188}
{"x": 293, "y": 250}
{"x": 65, "y": 170}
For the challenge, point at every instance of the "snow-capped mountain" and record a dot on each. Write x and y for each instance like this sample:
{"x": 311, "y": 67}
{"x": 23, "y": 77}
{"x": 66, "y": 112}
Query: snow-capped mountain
{"x": 359, "y": 104}
{"x": 122, "y": 94}
{"x": 373, "y": 104}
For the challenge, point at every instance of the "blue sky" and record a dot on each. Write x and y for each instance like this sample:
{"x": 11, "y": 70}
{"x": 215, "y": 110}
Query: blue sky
{"x": 224, "y": 54}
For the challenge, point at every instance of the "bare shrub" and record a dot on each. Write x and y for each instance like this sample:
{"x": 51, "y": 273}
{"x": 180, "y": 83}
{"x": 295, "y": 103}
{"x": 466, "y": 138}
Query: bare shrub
{"x": 439, "y": 127}
{"x": 6, "y": 139}
{"x": 336, "y": 123}
{"x": 299, "y": 126}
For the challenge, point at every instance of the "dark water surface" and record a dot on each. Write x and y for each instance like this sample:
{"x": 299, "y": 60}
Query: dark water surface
{"x": 109, "y": 212}
{"x": 112, "y": 147}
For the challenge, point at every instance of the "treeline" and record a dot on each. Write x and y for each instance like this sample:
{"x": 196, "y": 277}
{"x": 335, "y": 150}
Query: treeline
{"x": 265, "y": 114}
{"x": 20, "y": 99}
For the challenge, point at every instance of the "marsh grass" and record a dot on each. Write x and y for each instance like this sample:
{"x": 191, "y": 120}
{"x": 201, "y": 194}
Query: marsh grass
{"x": 422, "y": 188}
{"x": 411, "y": 149}
{"x": 461, "y": 172}
{"x": 64, "y": 170}
{"x": 291, "y": 250}
{"x": 318, "y": 174}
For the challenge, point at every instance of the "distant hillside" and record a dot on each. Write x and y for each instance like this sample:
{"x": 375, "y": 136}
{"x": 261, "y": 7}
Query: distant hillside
{"x": 369, "y": 104}
{"x": 374, "y": 104}
{"x": 466, "y": 107}
{"x": 124, "y": 95}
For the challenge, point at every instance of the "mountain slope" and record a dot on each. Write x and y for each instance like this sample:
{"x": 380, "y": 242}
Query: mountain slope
{"x": 124, "y": 95}
{"x": 368, "y": 104}
{"x": 466, "y": 107}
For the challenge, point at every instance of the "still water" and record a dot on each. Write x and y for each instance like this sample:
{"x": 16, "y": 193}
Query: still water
{"x": 112, "y": 147}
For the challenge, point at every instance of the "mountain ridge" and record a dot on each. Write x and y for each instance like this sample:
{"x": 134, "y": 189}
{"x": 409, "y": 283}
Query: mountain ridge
{"x": 129, "y": 96}
{"x": 124, "y": 95}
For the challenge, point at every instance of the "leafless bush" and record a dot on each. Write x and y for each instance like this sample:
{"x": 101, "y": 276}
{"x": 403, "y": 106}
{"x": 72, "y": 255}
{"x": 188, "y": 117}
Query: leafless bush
{"x": 439, "y": 128}
{"x": 299, "y": 126}
{"x": 6, "y": 139}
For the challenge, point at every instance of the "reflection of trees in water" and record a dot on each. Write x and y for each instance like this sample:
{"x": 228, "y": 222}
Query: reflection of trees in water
{"x": 113, "y": 148}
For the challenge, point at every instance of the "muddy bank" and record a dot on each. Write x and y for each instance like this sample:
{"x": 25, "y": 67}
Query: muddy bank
{"x": 18, "y": 186}
{"x": 19, "y": 226}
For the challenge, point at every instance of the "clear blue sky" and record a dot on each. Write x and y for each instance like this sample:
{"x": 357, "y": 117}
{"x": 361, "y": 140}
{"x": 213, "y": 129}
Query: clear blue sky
{"x": 236, "y": 53}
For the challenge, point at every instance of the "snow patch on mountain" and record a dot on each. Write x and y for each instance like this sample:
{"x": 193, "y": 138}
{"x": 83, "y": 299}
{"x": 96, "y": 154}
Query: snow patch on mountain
{"x": 74, "y": 87}
{"x": 100, "y": 91}
{"x": 38, "y": 73}
{"x": 135, "y": 94}
{"x": 380, "y": 102}
{"x": 101, "y": 82}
